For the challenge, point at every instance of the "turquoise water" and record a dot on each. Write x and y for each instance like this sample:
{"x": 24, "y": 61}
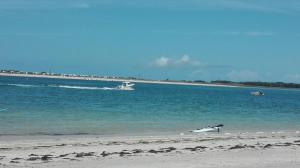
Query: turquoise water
{"x": 33, "y": 106}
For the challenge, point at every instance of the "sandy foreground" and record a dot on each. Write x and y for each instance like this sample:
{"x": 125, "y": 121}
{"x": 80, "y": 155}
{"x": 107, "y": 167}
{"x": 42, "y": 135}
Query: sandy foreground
{"x": 267, "y": 150}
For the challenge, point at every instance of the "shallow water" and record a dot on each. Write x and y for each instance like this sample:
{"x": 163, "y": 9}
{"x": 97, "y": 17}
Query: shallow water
{"x": 36, "y": 106}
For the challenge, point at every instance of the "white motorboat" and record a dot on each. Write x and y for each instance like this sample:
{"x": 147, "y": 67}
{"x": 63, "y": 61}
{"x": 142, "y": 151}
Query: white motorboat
{"x": 125, "y": 86}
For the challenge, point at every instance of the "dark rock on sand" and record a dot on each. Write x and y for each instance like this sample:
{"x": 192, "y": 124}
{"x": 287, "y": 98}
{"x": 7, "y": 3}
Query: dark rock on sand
{"x": 82, "y": 154}
{"x": 162, "y": 150}
{"x": 33, "y": 155}
{"x": 137, "y": 151}
{"x": 124, "y": 153}
{"x": 33, "y": 158}
{"x": 5, "y": 148}
{"x": 16, "y": 158}
{"x": 155, "y": 151}
{"x": 46, "y": 157}
{"x": 267, "y": 146}
{"x": 104, "y": 154}
{"x": 196, "y": 148}
{"x": 63, "y": 155}
{"x": 169, "y": 149}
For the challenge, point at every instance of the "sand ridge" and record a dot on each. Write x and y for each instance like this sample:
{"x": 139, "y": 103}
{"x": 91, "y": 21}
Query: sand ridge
{"x": 62, "y": 151}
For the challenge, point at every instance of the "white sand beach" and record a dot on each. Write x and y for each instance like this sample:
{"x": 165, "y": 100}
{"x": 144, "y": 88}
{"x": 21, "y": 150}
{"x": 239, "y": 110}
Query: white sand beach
{"x": 267, "y": 150}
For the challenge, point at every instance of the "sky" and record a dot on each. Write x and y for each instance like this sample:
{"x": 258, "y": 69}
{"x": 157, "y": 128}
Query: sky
{"x": 237, "y": 40}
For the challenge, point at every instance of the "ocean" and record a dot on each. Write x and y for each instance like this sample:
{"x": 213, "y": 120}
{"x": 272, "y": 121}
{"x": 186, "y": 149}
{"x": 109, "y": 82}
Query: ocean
{"x": 40, "y": 106}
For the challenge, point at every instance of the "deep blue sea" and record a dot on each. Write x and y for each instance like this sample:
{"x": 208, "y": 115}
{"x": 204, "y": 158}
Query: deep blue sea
{"x": 37, "y": 106}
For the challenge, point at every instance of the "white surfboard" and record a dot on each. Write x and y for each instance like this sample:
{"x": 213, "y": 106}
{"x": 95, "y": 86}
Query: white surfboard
{"x": 208, "y": 129}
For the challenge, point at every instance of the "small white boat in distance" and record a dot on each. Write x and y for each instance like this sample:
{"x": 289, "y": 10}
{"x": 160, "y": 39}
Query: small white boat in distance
{"x": 125, "y": 86}
{"x": 257, "y": 93}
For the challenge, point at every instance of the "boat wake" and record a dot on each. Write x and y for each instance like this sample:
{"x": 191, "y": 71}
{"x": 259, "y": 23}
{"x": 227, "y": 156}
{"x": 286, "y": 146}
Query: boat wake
{"x": 83, "y": 87}
{"x": 61, "y": 86}
{"x": 5, "y": 109}
{"x": 20, "y": 85}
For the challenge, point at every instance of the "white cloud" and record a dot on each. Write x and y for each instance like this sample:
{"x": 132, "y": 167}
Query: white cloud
{"x": 243, "y": 75}
{"x": 185, "y": 60}
{"x": 162, "y": 62}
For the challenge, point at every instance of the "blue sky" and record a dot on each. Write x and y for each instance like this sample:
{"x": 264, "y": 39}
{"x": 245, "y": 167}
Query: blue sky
{"x": 239, "y": 40}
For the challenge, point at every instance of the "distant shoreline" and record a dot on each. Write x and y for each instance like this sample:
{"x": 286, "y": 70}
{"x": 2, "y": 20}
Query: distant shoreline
{"x": 115, "y": 80}
{"x": 275, "y": 85}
